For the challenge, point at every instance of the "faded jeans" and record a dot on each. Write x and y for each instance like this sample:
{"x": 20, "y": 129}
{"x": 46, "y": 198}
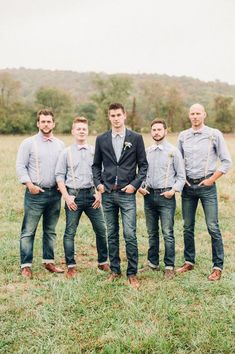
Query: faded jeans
{"x": 125, "y": 203}
{"x": 84, "y": 199}
{"x": 208, "y": 197}
{"x": 47, "y": 205}
{"x": 158, "y": 208}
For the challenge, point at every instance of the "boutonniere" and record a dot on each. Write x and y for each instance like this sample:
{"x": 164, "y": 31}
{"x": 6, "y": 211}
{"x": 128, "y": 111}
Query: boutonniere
{"x": 171, "y": 155}
{"x": 212, "y": 138}
{"x": 127, "y": 144}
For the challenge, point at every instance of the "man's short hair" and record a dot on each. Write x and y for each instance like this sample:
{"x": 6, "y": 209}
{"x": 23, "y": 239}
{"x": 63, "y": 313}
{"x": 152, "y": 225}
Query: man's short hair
{"x": 159, "y": 121}
{"x": 45, "y": 112}
{"x": 80, "y": 120}
{"x": 116, "y": 106}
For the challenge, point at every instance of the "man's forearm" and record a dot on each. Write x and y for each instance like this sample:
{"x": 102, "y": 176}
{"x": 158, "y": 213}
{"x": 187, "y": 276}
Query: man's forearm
{"x": 63, "y": 189}
{"x": 216, "y": 175}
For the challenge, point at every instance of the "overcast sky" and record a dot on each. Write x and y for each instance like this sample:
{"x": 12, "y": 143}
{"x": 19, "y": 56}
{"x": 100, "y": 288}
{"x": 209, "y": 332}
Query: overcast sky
{"x": 175, "y": 37}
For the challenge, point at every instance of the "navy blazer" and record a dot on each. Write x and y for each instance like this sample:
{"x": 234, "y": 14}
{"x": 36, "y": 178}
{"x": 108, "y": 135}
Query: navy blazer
{"x": 105, "y": 166}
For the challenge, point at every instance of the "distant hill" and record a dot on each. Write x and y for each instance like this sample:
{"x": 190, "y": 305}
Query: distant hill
{"x": 81, "y": 85}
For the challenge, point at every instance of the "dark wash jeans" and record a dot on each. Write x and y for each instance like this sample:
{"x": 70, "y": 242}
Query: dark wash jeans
{"x": 84, "y": 199}
{"x": 114, "y": 202}
{"x": 47, "y": 205}
{"x": 157, "y": 207}
{"x": 208, "y": 197}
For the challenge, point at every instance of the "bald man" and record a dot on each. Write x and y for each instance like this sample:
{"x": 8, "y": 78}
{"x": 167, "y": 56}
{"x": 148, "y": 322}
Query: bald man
{"x": 201, "y": 147}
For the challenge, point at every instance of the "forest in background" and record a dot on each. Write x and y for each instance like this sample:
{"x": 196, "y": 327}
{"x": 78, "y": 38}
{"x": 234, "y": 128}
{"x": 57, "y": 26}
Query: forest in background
{"x": 145, "y": 96}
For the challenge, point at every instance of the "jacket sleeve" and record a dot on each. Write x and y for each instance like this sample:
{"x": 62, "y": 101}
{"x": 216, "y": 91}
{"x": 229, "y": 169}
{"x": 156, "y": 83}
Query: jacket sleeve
{"x": 141, "y": 163}
{"x": 97, "y": 164}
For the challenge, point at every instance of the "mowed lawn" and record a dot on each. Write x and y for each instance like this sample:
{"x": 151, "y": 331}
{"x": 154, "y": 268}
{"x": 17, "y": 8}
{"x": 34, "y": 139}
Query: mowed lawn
{"x": 50, "y": 314}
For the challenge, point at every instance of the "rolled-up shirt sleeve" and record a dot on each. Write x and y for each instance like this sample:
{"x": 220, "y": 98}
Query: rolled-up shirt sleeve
{"x": 179, "y": 144}
{"x": 22, "y": 162}
{"x": 180, "y": 177}
{"x": 223, "y": 153}
{"x": 61, "y": 167}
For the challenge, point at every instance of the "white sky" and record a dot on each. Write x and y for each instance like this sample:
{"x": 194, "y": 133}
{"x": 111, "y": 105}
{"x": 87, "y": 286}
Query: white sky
{"x": 175, "y": 37}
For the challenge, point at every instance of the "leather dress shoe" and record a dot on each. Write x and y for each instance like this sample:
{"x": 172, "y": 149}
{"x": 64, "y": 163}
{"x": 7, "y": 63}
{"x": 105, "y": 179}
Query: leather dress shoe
{"x": 133, "y": 281}
{"x": 215, "y": 275}
{"x": 185, "y": 268}
{"x": 169, "y": 274}
{"x": 52, "y": 268}
{"x": 113, "y": 276}
{"x": 104, "y": 267}
{"x": 26, "y": 272}
{"x": 71, "y": 272}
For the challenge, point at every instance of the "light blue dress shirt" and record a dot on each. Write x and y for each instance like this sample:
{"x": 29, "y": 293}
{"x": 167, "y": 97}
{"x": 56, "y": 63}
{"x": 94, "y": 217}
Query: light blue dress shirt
{"x": 74, "y": 166}
{"x": 166, "y": 167}
{"x": 201, "y": 150}
{"x": 117, "y": 142}
{"x": 36, "y": 160}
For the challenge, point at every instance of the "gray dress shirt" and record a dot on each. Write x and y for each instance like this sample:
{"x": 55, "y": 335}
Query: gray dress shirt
{"x": 166, "y": 167}
{"x": 36, "y": 160}
{"x": 74, "y": 166}
{"x": 201, "y": 150}
{"x": 117, "y": 142}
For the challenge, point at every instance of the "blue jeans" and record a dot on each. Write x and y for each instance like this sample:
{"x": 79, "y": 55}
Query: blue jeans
{"x": 47, "y": 205}
{"x": 126, "y": 203}
{"x": 84, "y": 199}
{"x": 208, "y": 197}
{"x": 157, "y": 207}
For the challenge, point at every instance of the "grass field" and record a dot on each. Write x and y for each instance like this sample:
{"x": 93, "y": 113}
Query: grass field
{"x": 50, "y": 314}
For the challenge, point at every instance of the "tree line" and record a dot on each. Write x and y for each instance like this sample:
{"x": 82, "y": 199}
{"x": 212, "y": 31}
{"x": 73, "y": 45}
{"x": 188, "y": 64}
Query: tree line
{"x": 145, "y": 99}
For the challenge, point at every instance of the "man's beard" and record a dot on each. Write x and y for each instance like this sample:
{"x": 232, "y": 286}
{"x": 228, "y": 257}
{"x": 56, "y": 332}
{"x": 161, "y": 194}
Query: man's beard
{"x": 159, "y": 139}
{"x": 46, "y": 132}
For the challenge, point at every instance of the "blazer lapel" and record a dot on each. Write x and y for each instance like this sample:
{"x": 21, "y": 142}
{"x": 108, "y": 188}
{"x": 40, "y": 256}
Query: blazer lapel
{"x": 127, "y": 139}
{"x": 110, "y": 145}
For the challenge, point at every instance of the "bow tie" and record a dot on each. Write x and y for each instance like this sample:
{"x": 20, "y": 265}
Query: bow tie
{"x": 81, "y": 147}
{"x": 45, "y": 138}
{"x": 195, "y": 132}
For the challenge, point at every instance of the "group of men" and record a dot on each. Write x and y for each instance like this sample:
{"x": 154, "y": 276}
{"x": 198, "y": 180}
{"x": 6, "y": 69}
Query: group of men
{"x": 103, "y": 181}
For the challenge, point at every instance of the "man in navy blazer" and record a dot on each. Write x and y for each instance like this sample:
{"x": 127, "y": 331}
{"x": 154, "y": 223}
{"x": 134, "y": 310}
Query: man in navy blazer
{"x": 118, "y": 153}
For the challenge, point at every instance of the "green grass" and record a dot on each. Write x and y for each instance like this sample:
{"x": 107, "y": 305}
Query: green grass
{"x": 50, "y": 314}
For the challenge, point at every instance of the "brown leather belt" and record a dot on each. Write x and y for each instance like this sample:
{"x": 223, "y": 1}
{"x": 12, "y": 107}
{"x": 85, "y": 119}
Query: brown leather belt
{"x": 198, "y": 180}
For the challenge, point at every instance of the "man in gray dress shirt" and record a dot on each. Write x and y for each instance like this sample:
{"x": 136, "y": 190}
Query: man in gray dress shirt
{"x": 201, "y": 147}
{"x": 35, "y": 166}
{"x": 165, "y": 177}
{"x": 74, "y": 178}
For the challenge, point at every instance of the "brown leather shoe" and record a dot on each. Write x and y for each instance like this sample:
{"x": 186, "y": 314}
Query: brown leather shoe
{"x": 133, "y": 281}
{"x": 52, "y": 268}
{"x": 185, "y": 268}
{"x": 215, "y": 275}
{"x": 113, "y": 276}
{"x": 71, "y": 272}
{"x": 169, "y": 274}
{"x": 26, "y": 272}
{"x": 104, "y": 267}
